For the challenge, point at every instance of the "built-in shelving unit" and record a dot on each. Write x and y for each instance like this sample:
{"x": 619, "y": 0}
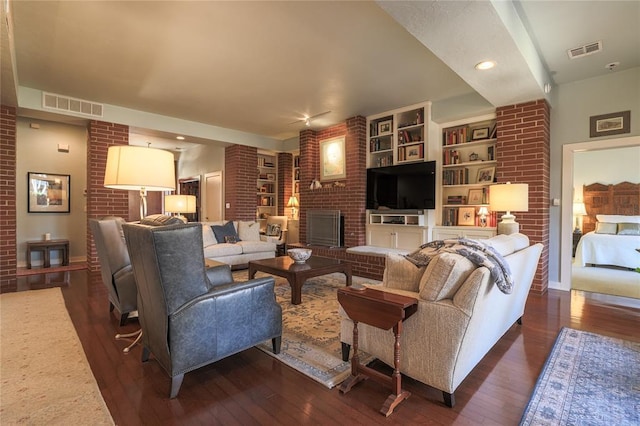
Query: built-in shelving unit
{"x": 295, "y": 189}
{"x": 398, "y": 136}
{"x": 267, "y": 185}
{"x": 396, "y": 230}
{"x": 468, "y": 169}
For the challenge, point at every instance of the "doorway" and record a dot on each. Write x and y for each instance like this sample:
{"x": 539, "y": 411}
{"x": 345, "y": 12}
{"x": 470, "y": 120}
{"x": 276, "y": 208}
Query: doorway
{"x": 567, "y": 222}
{"x": 191, "y": 186}
{"x": 213, "y": 197}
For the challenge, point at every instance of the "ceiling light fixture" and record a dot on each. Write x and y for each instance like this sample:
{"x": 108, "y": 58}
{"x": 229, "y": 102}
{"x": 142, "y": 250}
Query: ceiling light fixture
{"x": 307, "y": 122}
{"x": 180, "y": 138}
{"x": 485, "y": 65}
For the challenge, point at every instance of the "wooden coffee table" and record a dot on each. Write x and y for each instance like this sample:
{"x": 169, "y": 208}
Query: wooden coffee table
{"x": 298, "y": 273}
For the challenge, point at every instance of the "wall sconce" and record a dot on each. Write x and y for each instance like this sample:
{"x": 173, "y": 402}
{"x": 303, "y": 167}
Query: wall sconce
{"x": 506, "y": 198}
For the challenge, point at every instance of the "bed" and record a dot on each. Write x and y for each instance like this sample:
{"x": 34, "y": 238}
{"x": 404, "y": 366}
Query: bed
{"x": 611, "y": 227}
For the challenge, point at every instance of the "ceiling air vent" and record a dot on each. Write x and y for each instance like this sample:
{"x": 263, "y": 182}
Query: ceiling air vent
{"x": 587, "y": 49}
{"x": 71, "y": 105}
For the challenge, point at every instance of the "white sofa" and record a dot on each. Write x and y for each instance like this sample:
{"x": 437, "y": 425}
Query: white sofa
{"x": 461, "y": 313}
{"x": 250, "y": 247}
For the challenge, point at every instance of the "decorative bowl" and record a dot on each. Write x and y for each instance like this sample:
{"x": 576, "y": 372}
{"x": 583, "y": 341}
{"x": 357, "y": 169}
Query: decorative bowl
{"x": 299, "y": 255}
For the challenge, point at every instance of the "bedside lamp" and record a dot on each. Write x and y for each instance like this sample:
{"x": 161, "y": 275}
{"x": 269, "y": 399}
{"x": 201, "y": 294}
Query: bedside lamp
{"x": 178, "y": 204}
{"x": 293, "y": 203}
{"x": 506, "y": 198}
{"x": 578, "y": 210}
{"x": 136, "y": 168}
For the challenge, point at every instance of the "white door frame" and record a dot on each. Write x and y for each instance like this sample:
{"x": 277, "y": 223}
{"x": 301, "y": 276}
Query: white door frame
{"x": 566, "y": 224}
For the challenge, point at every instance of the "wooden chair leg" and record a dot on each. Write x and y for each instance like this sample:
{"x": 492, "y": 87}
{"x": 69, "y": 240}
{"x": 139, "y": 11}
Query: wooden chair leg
{"x": 176, "y": 382}
{"x": 345, "y": 351}
{"x": 276, "y": 342}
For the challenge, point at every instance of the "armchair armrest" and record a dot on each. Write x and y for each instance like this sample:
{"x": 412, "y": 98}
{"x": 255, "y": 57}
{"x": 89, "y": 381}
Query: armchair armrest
{"x": 219, "y": 275}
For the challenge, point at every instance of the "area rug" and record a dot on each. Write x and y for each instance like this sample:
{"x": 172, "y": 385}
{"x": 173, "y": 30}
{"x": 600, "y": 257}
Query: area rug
{"x": 45, "y": 378}
{"x": 311, "y": 330}
{"x": 588, "y": 379}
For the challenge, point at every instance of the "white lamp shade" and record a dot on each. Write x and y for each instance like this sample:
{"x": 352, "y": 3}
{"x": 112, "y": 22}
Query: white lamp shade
{"x": 180, "y": 203}
{"x": 135, "y": 167}
{"x": 579, "y": 209}
{"x": 293, "y": 202}
{"x": 509, "y": 197}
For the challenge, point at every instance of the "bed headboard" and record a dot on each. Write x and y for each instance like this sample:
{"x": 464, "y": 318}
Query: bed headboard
{"x": 622, "y": 198}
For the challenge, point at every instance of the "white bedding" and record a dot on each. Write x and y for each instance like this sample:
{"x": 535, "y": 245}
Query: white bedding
{"x": 606, "y": 249}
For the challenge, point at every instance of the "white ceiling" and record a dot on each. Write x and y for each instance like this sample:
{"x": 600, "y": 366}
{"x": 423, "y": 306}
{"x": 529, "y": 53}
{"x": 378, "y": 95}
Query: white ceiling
{"x": 257, "y": 67}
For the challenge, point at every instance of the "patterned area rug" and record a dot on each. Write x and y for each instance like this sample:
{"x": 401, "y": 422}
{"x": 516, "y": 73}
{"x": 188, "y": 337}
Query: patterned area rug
{"x": 45, "y": 376}
{"x": 311, "y": 330}
{"x": 588, "y": 379}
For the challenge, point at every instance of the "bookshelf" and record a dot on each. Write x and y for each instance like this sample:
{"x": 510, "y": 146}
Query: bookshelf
{"x": 468, "y": 169}
{"x": 267, "y": 188}
{"x": 398, "y": 136}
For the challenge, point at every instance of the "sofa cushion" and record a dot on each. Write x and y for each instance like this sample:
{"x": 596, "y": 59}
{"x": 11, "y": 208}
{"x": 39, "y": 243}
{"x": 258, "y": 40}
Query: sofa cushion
{"x": 226, "y": 230}
{"x": 444, "y": 275}
{"x": 222, "y": 249}
{"x": 208, "y": 237}
{"x": 249, "y": 230}
{"x": 502, "y": 243}
{"x": 256, "y": 246}
{"x": 401, "y": 274}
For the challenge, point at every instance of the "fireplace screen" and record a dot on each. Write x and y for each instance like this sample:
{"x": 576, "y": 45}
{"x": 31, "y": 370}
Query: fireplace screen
{"x": 324, "y": 228}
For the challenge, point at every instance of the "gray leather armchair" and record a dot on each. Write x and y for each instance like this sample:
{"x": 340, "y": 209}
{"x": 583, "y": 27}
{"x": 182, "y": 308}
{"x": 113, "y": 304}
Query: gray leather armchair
{"x": 192, "y": 316}
{"x": 115, "y": 266}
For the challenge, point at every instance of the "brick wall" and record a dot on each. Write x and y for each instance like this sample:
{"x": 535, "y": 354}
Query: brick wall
{"x": 241, "y": 174}
{"x": 351, "y": 198}
{"x": 8, "y": 242}
{"x": 285, "y": 182}
{"x": 103, "y": 201}
{"x": 523, "y": 156}
{"x": 362, "y": 265}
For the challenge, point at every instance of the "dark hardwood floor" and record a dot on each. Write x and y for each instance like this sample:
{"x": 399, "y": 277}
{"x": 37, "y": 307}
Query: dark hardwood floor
{"x": 254, "y": 388}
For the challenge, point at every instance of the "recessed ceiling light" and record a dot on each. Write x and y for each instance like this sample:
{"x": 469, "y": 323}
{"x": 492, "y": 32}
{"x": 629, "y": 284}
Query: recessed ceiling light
{"x": 485, "y": 65}
{"x": 180, "y": 138}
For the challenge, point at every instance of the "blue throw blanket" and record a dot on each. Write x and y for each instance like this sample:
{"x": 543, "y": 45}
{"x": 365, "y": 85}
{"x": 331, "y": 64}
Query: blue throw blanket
{"x": 478, "y": 253}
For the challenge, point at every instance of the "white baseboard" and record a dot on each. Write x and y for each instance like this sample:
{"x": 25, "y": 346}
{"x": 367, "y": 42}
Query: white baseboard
{"x": 559, "y": 286}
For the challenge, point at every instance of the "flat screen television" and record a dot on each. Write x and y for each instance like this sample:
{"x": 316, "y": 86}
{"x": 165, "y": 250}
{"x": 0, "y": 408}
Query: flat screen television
{"x": 409, "y": 186}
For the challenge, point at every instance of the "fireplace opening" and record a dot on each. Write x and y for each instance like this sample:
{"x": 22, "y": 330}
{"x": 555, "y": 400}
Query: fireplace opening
{"x": 325, "y": 228}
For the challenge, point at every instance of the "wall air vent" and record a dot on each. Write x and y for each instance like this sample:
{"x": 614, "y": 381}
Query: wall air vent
{"x": 71, "y": 105}
{"x": 587, "y": 49}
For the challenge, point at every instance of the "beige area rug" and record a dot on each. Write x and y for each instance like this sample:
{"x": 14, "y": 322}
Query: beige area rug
{"x": 45, "y": 378}
{"x": 616, "y": 282}
{"x": 311, "y": 330}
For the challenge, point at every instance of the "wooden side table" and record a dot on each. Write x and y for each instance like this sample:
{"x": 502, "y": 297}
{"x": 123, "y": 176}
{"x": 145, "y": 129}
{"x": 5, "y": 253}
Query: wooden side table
{"x": 576, "y": 240}
{"x": 382, "y": 310}
{"x": 45, "y": 247}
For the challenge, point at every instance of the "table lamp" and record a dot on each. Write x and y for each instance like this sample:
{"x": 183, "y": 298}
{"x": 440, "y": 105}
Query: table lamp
{"x": 139, "y": 168}
{"x": 293, "y": 203}
{"x": 578, "y": 210}
{"x": 180, "y": 204}
{"x": 506, "y": 198}
{"x": 483, "y": 212}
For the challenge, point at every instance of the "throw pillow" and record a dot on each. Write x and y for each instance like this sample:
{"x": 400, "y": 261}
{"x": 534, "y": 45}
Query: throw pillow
{"x": 444, "y": 276}
{"x": 606, "y": 228}
{"x": 249, "y": 230}
{"x": 273, "y": 230}
{"x": 208, "y": 237}
{"x": 226, "y": 230}
{"x": 161, "y": 220}
{"x": 401, "y": 274}
{"x": 629, "y": 229}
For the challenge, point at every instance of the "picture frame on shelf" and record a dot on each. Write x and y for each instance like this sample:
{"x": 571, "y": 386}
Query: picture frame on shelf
{"x": 466, "y": 216}
{"x": 271, "y": 176}
{"x": 485, "y": 175}
{"x": 413, "y": 153}
{"x": 481, "y": 133}
{"x": 333, "y": 159}
{"x": 610, "y": 124}
{"x": 384, "y": 127}
{"x": 48, "y": 193}
{"x": 475, "y": 196}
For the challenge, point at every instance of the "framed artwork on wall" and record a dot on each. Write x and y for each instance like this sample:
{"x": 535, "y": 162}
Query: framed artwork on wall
{"x": 610, "y": 124}
{"x": 48, "y": 193}
{"x": 333, "y": 159}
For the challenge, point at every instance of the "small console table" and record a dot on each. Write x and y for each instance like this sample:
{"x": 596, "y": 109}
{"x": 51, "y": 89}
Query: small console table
{"x": 382, "y": 310}
{"x": 45, "y": 247}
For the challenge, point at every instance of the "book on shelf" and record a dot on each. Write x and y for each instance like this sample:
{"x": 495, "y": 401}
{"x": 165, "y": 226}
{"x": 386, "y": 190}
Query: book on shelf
{"x": 456, "y": 199}
{"x": 455, "y": 177}
{"x": 454, "y": 136}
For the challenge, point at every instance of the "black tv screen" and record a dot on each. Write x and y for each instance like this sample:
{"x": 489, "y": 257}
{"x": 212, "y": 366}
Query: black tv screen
{"x": 403, "y": 187}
